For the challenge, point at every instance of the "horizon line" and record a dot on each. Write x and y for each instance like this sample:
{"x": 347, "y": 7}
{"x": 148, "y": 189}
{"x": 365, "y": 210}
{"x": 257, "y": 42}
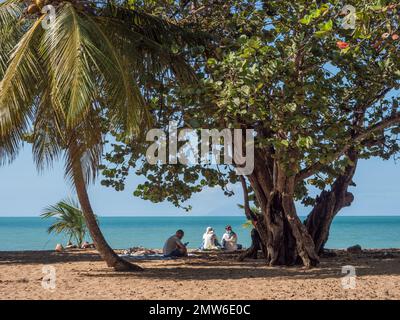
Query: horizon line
{"x": 208, "y": 216}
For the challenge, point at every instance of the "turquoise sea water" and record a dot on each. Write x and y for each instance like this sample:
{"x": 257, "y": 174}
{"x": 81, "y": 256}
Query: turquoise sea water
{"x": 150, "y": 232}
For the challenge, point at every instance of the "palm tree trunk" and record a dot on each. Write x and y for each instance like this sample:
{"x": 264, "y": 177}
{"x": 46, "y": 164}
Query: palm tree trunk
{"x": 105, "y": 251}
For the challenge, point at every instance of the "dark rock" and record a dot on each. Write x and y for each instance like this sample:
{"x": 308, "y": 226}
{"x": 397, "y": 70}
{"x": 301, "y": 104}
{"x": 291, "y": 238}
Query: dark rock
{"x": 384, "y": 255}
{"x": 354, "y": 249}
{"x": 328, "y": 254}
{"x": 388, "y": 255}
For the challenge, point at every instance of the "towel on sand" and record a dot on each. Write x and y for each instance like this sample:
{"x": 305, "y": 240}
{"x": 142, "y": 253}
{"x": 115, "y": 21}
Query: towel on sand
{"x": 156, "y": 256}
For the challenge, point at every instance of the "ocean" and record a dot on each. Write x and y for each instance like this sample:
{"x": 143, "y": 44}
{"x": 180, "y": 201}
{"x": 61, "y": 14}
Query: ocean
{"x": 29, "y": 233}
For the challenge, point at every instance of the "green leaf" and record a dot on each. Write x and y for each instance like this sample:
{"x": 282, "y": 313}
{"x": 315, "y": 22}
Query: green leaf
{"x": 327, "y": 26}
{"x": 306, "y": 20}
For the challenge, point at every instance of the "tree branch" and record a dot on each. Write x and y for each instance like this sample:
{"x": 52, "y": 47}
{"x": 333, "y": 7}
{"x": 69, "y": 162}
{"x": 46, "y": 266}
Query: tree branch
{"x": 248, "y": 212}
{"x": 311, "y": 170}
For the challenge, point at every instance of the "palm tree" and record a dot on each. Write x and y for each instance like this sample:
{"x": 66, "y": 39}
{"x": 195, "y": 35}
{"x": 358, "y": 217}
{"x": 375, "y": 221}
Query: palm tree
{"x": 67, "y": 85}
{"x": 69, "y": 220}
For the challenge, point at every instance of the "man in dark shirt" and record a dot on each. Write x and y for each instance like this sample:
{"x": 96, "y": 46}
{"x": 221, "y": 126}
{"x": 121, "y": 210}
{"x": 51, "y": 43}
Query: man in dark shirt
{"x": 174, "y": 247}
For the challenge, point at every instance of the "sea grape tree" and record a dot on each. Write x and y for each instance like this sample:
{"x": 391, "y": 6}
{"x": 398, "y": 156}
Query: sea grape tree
{"x": 320, "y": 89}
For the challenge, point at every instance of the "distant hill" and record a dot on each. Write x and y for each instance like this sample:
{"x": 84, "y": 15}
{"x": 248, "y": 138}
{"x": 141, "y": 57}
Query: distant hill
{"x": 225, "y": 210}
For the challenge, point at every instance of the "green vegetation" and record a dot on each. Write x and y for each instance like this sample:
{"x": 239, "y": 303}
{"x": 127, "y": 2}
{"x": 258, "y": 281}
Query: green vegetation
{"x": 64, "y": 85}
{"x": 319, "y": 96}
{"x": 69, "y": 220}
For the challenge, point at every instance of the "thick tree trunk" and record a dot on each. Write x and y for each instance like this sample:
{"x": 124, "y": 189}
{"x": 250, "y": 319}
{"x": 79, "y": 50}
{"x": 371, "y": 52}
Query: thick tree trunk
{"x": 329, "y": 203}
{"x": 319, "y": 220}
{"x": 286, "y": 239}
{"x": 105, "y": 251}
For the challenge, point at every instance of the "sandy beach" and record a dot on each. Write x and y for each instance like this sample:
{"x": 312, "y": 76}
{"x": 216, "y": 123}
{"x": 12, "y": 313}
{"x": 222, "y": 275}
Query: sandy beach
{"x": 82, "y": 275}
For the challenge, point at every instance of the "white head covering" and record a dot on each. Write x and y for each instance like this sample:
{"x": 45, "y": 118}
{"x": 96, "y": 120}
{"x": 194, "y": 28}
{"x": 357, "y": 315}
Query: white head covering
{"x": 209, "y": 239}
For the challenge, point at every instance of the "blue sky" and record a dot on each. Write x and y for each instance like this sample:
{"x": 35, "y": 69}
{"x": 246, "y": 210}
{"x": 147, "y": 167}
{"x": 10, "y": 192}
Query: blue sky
{"x": 25, "y": 192}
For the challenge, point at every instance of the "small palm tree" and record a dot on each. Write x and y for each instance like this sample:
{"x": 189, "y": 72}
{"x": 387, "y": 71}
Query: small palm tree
{"x": 69, "y": 220}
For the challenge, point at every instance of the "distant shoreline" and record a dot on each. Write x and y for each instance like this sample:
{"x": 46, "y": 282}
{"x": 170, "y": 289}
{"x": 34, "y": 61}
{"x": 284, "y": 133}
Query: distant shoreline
{"x": 335, "y": 250}
{"x": 203, "y": 216}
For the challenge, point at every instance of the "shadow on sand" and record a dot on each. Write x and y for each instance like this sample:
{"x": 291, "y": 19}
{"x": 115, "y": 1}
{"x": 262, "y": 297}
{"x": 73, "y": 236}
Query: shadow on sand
{"x": 213, "y": 267}
{"x": 47, "y": 257}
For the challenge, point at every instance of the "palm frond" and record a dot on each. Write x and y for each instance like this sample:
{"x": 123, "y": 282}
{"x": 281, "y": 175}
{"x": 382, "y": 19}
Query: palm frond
{"x": 152, "y": 27}
{"x": 10, "y": 11}
{"x": 10, "y": 33}
{"x": 247, "y": 225}
{"x": 86, "y": 146}
{"x": 9, "y": 148}
{"x": 121, "y": 91}
{"x": 71, "y": 55}
{"x": 69, "y": 219}
{"x": 48, "y": 132}
{"x": 151, "y": 38}
{"x": 18, "y": 84}
{"x": 87, "y": 65}
{"x": 17, "y": 90}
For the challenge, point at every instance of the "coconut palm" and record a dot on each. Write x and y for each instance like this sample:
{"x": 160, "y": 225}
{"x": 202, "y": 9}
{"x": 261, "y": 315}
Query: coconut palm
{"x": 67, "y": 84}
{"x": 69, "y": 220}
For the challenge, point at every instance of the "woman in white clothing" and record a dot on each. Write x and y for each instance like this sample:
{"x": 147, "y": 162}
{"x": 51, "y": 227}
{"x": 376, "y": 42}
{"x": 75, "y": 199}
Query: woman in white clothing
{"x": 210, "y": 241}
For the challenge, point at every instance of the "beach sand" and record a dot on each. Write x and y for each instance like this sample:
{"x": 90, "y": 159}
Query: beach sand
{"x": 82, "y": 275}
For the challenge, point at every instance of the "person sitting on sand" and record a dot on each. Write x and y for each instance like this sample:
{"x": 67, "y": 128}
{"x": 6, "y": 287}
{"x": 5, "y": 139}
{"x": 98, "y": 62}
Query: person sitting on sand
{"x": 174, "y": 247}
{"x": 229, "y": 240}
{"x": 210, "y": 241}
{"x": 70, "y": 245}
{"x": 87, "y": 245}
{"x": 59, "y": 248}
